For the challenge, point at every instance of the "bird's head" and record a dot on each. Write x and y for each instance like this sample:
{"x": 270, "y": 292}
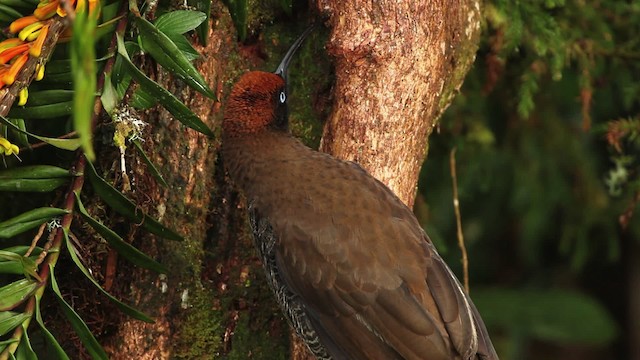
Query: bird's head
{"x": 259, "y": 99}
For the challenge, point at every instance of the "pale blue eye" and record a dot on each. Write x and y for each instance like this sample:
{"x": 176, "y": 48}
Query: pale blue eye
{"x": 283, "y": 97}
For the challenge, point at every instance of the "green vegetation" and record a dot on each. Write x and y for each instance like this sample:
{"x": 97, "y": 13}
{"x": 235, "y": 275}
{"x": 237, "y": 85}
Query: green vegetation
{"x": 546, "y": 131}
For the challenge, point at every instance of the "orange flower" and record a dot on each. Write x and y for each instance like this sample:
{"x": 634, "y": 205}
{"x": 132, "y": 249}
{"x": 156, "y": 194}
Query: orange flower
{"x": 9, "y": 54}
{"x": 15, "y": 68}
{"x": 36, "y": 47}
{"x": 46, "y": 11}
{"x": 21, "y": 23}
{"x": 9, "y": 43}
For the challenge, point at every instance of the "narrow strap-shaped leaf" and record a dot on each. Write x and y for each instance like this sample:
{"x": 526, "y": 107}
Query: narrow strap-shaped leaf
{"x": 25, "y": 351}
{"x": 47, "y": 334}
{"x": 20, "y": 137}
{"x": 4, "y": 343}
{"x": 20, "y": 3}
{"x": 124, "y": 206}
{"x": 179, "y": 21}
{"x": 9, "y": 320}
{"x": 22, "y": 250}
{"x": 65, "y": 144}
{"x": 109, "y": 97}
{"x": 164, "y": 97}
{"x": 33, "y": 178}
{"x": 11, "y": 267}
{"x": 34, "y": 172}
{"x": 154, "y": 171}
{"x": 239, "y": 11}
{"x": 62, "y": 66}
{"x": 47, "y": 111}
{"x": 83, "y": 66}
{"x": 90, "y": 343}
{"x": 136, "y": 314}
{"x": 31, "y": 185}
{"x": 9, "y": 13}
{"x": 28, "y": 220}
{"x": 125, "y": 249}
{"x": 142, "y": 99}
{"x": 203, "y": 30}
{"x": 12, "y": 263}
{"x": 12, "y": 295}
{"x": 46, "y": 97}
{"x": 185, "y": 46}
{"x": 167, "y": 54}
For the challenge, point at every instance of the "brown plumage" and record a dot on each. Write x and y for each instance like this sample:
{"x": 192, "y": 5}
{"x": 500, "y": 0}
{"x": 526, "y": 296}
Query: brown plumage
{"x": 353, "y": 270}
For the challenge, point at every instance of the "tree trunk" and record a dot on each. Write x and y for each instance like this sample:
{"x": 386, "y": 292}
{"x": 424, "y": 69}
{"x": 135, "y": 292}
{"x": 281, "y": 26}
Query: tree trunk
{"x": 398, "y": 65}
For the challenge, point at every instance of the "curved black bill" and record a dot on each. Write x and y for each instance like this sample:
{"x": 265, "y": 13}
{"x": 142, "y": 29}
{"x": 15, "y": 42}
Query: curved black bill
{"x": 284, "y": 64}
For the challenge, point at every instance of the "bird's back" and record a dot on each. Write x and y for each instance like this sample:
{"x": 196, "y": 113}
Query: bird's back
{"x": 347, "y": 259}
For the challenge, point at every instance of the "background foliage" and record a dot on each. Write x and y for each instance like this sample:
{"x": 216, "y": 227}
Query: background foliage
{"x": 546, "y": 132}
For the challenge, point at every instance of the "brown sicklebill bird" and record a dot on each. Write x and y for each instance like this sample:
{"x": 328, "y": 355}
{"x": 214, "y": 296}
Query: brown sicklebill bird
{"x": 354, "y": 272}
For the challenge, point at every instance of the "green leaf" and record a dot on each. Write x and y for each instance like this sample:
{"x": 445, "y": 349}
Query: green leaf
{"x": 107, "y": 27}
{"x": 85, "y": 335}
{"x": 125, "y": 249}
{"x": 40, "y": 178}
{"x": 9, "y": 13}
{"x": 167, "y": 54}
{"x": 20, "y": 137}
{"x": 84, "y": 69}
{"x": 109, "y": 97}
{"x": 62, "y": 66}
{"x": 154, "y": 171}
{"x": 42, "y": 111}
{"x": 164, "y": 97}
{"x": 28, "y": 220}
{"x": 239, "y": 10}
{"x": 142, "y": 99}
{"x": 12, "y": 295}
{"x": 20, "y": 3}
{"x": 47, "y": 97}
{"x": 110, "y": 11}
{"x": 22, "y": 250}
{"x": 64, "y": 144}
{"x": 553, "y": 315}
{"x": 203, "y": 30}
{"x": 74, "y": 256}
{"x": 12, "y": 263}
{"x": 31, "y": 185}
{"x": 179, "y": 21}
{"x": 47, "y": 334}
{"x": 4, "y": 343}
{"x": 124, "y": 206}
{"x": 25, "y": 351}
{"x": 34, "y": 172}
{"x": 185, "y": 46}
{"x": 9, "y": 320}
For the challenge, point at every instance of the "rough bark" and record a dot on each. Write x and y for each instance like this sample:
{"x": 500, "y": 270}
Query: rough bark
{"x": 398, "y": 65}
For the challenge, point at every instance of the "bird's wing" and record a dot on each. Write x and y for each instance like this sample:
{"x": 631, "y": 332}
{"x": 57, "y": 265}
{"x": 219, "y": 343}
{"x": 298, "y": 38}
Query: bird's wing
{"x": 374, "y": 301}
{"x": 369, "y": 269}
